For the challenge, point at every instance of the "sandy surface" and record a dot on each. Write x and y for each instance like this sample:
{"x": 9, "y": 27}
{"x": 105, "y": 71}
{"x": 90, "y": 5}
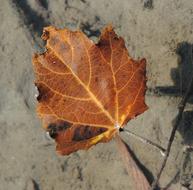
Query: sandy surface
{"x": 159, "y": 30}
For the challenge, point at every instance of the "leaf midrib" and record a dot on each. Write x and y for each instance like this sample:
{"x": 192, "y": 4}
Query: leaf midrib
{"x": 93, "y": 97}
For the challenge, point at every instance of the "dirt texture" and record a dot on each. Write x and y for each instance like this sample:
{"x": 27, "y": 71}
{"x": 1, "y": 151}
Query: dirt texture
{"x": 160, "y": 31}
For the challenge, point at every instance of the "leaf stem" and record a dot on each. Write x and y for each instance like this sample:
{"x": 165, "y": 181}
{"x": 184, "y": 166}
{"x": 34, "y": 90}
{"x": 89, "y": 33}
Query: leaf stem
{"x": 146, "y": 141}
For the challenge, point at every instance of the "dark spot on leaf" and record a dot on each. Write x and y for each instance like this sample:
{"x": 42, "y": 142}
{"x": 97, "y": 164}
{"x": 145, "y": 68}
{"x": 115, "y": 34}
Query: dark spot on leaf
{"x": 45, "y": 35}
{"x": 96, "y": 79}
{"x": 44, "y": 94}
{"x": 103, "y": 43}
{"x": 115, "y": 38}
{"x": 54, "y": 129}
{"x": 87, "y": 132}
{"x": 39, "y": 96}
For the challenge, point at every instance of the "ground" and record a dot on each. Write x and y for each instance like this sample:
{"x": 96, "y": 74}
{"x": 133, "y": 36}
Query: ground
{"x": 160, "y": 31}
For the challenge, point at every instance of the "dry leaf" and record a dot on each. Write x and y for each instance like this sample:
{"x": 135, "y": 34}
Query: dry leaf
{"x": 87, "y": 91}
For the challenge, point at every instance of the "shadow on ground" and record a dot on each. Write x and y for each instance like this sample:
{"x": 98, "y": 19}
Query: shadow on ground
{"x": 182, "y": 74}
{"x": 181, "y": 77}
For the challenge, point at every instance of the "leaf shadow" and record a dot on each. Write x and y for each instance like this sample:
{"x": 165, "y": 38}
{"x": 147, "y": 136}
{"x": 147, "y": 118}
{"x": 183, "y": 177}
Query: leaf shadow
{"x": 89, "y": 28}
{"x": 186, "y": 128}
{"x": 186, "y": 131}
{"x": 43, "y": 3}
{"x": 148, "y": 174}
{"x": 34, "y": 20}
{"x": 180, "y": 75}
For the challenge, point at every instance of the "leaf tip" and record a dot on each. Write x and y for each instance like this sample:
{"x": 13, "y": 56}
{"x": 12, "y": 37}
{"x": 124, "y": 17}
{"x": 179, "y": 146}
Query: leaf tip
{"x": 143, "y": 61}
{"x": 46, "y": 32}
{"x": 109, "y": 28}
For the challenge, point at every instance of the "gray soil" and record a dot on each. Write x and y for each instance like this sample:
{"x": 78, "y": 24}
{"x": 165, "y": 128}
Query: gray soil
{"x": 159, "y": 30}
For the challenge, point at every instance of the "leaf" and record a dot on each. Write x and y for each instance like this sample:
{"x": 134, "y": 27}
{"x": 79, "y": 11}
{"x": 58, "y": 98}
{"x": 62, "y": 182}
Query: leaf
{"x": 87, "y": 91}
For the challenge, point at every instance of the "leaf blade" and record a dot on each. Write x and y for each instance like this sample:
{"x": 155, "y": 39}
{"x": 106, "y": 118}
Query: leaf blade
{"x": 87, "y": 84}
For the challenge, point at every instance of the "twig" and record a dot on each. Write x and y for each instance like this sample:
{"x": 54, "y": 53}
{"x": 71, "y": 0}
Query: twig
{"x": 146, "y": 141}
{"x": 175, "y": 126}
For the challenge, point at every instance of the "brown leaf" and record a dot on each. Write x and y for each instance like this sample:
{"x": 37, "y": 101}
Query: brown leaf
{"x": 87, "y": 91}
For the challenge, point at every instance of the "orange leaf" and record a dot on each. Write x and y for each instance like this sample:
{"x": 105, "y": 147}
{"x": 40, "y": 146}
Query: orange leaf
{"x": 87, "y": 91}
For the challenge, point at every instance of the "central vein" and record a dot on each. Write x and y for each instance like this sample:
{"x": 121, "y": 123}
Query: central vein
{"x": 98, "y": 103}
{"x": 115, "y": 84}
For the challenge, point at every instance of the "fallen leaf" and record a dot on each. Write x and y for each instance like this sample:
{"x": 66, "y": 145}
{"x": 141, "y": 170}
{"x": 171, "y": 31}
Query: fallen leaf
{"x": 87, "y": 91}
